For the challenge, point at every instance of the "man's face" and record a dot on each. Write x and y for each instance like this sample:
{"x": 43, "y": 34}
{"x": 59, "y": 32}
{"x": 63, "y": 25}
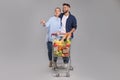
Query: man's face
{"x": 57, "y": 12}
{"x": 66, "y": 9}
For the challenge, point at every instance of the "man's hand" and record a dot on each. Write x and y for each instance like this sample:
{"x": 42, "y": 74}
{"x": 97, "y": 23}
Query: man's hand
{"x": 69, "y": 34}
{"x": 42, "y": 22}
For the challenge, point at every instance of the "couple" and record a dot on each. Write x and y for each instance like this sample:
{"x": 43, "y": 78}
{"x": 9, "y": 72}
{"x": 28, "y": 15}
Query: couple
{"x": 61, "y": 23}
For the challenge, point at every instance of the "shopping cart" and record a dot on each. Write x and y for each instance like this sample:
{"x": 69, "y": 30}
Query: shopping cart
{"x": 61, "y": 49}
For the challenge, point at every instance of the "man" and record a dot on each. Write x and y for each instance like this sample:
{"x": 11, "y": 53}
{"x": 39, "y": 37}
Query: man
{"x": 69, "y": 24}
{"x": 53, "y": 25}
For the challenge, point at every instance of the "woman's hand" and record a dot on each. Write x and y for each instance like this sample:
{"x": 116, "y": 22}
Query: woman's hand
{"x": 42, "y": 22}
{"x": 58, "y": 33}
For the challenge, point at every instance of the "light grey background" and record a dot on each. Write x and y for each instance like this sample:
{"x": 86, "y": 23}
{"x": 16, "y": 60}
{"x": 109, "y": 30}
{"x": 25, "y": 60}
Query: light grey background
{"x": 95, "y": 48}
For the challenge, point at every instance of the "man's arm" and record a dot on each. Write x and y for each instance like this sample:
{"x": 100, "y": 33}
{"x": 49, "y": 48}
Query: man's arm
{"x": 73, "y": 30}
{"x": 74, "y": 26}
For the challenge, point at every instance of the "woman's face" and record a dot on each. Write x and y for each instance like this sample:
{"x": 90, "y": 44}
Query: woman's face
{"x": 57, "y": 12}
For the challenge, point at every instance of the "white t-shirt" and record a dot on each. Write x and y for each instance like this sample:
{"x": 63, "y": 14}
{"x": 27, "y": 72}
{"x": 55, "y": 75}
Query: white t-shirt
{"x": 63, "y": 28}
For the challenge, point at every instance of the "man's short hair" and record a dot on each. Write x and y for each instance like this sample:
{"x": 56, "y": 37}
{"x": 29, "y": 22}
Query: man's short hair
{"x": 66, "y": 4}
{"x": 58, "y": 8}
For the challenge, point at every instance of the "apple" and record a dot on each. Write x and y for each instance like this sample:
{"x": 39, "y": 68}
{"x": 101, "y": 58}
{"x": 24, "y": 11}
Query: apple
{"x": 55, "y": 45}
{"x": 67, "y": 45}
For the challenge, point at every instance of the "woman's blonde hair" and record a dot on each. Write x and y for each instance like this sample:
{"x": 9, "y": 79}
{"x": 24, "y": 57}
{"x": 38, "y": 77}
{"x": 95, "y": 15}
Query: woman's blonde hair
{"x": 58, "y": 8}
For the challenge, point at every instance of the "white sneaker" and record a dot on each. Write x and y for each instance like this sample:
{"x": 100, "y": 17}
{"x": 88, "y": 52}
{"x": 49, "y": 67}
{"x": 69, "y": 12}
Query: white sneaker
{"x": 66, "y": 65}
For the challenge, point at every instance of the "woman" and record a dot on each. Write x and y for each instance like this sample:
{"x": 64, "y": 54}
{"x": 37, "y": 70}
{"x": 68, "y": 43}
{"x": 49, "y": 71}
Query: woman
{"x": 53, "y": 25}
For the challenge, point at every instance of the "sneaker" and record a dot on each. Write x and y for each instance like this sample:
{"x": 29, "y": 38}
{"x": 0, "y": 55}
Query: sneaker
{"x": 66, "y": 65}
{"x": 50, "y": 64}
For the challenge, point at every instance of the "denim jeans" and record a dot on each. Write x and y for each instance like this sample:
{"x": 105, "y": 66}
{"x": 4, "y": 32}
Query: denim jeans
{"x": 49, "y": 47}
{"x": 65, "y": 59}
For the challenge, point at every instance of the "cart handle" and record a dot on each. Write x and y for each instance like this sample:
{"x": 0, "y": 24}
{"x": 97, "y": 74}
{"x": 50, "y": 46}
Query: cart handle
{"x": 55, "y": 34}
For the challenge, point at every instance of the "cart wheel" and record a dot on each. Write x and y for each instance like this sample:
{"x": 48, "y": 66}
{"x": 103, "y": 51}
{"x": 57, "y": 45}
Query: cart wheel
{"x": 71, "y": 68}
{"x": 57, "y": 75}
{"x": 67, "y": 74}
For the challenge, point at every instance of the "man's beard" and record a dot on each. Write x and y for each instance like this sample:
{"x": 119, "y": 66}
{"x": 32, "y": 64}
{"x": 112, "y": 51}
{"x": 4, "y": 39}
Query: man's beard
{"x": 65, "y": 11}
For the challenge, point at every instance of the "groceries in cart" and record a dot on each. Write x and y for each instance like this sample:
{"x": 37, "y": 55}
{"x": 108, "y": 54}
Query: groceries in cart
{"x": 62, "y": 46}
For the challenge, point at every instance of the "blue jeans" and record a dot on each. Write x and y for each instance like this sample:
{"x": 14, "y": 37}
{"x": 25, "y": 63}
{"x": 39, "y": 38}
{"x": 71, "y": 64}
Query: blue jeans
{"x": 65, "y": 59}
{"x": 49, "y": 47}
